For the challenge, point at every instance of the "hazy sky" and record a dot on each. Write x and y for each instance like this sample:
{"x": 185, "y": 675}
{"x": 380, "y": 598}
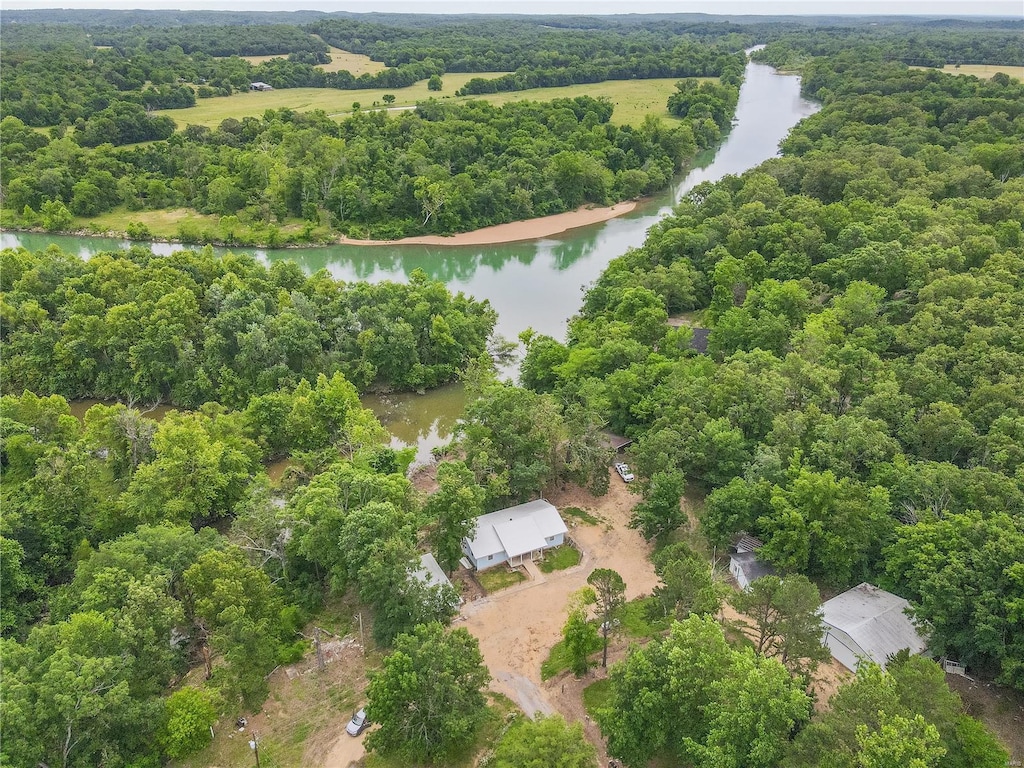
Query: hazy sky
{"x": 916, "y": 7}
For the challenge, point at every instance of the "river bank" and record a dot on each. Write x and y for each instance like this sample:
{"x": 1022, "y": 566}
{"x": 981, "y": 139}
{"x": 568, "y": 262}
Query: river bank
{"x": 514, "y": 231}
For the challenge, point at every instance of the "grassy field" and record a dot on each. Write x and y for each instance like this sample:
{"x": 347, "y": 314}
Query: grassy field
{"x": 983, "y": 71}
{"x": 211, "y": 112}
{"x": 597, "y": 696}
{"x": 356, "y": 63}
{"x": 633, "y": 99}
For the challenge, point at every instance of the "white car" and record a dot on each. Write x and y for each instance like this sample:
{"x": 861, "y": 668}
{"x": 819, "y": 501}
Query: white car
{"x": 357, "y": 724}
{"x": 624, "y": 472}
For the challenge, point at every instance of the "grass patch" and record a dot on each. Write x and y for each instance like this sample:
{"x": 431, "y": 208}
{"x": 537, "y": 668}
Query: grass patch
{"x": 559, "y": 558}
{"x": 495, "y": 579}
{"x": 558, "y": 659}
{"x": 582, "y": 515}
{"x": 633, "y": 99}
{"x": 356, "y": 63}
{"x": 639, "y": 618}
{"x": 597, "y": 696}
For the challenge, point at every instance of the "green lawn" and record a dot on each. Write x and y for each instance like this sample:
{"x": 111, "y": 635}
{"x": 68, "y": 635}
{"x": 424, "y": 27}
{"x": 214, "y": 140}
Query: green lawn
{"x": 633, "y": 99}
{"x": 498, "y": 578}
{"x": 558, "y": 659}
{"x": 597, "y": 696}
{"x": 335, "y": 102}
{"x": 636, "y": 618}
{"x": 559, "y": 558}
{"x": 582, "y": 515}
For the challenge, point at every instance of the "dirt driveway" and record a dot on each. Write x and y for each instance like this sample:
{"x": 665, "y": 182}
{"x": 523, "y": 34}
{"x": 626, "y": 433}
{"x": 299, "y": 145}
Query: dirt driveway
{"x": 517, "y": 627}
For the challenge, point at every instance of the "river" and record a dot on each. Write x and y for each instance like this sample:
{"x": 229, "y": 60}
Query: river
{"x": 535, "y": 284}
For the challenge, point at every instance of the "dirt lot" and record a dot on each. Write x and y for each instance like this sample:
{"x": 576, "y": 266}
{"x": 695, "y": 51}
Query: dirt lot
{"x": 517, "y": 627}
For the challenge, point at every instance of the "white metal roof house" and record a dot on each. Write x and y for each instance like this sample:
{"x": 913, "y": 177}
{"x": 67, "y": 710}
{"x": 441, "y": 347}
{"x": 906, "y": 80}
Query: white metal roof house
{"x": 868, "y": 623}
{"x": 510, "y": 535}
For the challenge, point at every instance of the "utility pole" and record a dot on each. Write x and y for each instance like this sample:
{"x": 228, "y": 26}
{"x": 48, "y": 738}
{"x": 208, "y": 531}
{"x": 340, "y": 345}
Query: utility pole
{"x": 254, "y": 745}
{"x": 361, "y": 642}
{"x": 319, "y": 649}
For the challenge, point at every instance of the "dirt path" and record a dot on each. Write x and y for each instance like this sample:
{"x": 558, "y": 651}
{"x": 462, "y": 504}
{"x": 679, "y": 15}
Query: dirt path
{"x": 517, "y": 627}
{"x": 347, "y": 750}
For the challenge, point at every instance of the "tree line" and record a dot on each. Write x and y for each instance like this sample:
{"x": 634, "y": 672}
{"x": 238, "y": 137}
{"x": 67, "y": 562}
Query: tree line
{"x": 442, "y": 168}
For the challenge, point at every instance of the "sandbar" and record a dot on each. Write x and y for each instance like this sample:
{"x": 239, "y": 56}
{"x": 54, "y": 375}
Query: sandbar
{"x": 515, "y": 231}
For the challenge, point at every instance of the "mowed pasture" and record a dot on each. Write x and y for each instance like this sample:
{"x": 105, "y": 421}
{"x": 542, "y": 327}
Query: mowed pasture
{"x": 633, "y": 99}
{"x": 356, "y": 63}
{"x": 984, "y": 71}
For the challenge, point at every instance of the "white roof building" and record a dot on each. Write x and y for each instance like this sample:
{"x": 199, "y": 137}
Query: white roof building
{"x": 509, "y": 535}
{"x": 869, "y": 623}
{"x": 430, "y": 572}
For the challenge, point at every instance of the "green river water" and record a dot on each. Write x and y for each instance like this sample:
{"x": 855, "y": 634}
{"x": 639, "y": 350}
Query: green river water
{"x": 535, "y": 284}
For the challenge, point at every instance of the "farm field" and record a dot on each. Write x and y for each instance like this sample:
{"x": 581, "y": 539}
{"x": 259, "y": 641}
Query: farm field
{"x": 981, "y": 70}
{"x": 210, "y": 112}
{"x": 356, "y": 63}
{"x": 633, "y": 99}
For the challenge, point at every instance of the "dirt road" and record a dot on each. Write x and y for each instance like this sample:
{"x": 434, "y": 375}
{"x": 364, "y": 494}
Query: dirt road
{"x": 517, "y": 627}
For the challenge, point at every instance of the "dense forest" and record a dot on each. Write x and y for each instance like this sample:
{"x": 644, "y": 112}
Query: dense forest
{"x": 191, "y": 328}
{"x": 859, "y": 405}
{"x": 443, "y": 168}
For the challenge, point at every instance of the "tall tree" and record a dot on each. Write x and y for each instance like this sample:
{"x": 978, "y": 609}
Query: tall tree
{"x": 694, "y": 698}
{"x": 547, "y": 741}
{"x": 786, "y": 619}
{"x": 453, "y": 509}
{"x": 428, "y": 695}
{"x": 660, "y": 512}
{"x": 578, "y": 634}
{"x": 687, "y": 585}
{"x": 611, "y": 596}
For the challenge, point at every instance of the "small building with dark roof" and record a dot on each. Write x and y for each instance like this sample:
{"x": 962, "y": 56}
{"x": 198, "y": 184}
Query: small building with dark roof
{"x": 746, "y": 567}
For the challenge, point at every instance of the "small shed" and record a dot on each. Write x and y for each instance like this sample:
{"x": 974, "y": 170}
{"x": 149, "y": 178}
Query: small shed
{"x": 431, "y": 573}
{"x": 260, "y": 86}
{"x": 746, "y": 567}
{"x": 869, "y": 623}
{"x": 617, "y": 443}
{"x": 513, "y": 534}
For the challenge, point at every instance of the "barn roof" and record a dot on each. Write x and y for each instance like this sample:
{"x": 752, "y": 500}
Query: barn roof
{"x": 875, "y": 619}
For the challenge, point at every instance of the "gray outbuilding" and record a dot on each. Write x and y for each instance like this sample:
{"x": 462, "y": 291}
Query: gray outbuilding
{"x": 869, "y": 623}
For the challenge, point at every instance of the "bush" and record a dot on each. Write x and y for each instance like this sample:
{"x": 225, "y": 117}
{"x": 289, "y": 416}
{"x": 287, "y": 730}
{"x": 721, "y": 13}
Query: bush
{"x": 188, "y": 715}
{"x": 136, "y": 230}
